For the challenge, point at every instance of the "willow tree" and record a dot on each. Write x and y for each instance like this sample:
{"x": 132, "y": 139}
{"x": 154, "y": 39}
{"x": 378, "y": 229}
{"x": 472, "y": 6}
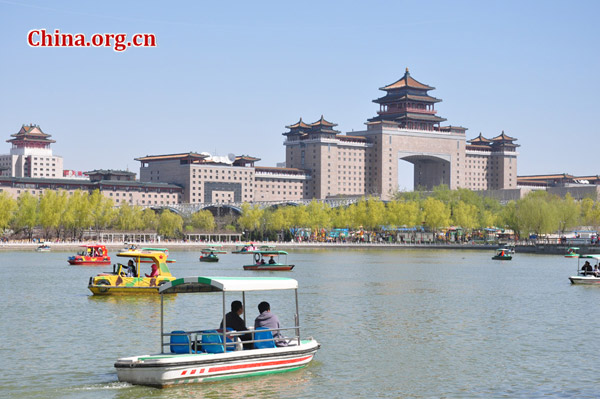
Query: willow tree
{"x": 128, "y": 217}
{"x": 568, "y": 212}
{"x": 250, "y": 219}
{"x": 435, "y": 214}
{"x": 590, "y": 213}
{"x": 318, "y": 215}
{"x": 26, "y": 217}
{"x": 102, "y": 209}
{"x": 465, "y": 215}
{"x": 52, "y": 205}
{"x": 7, "y": 208}
{"x": 403, "y": 213}
{"x": 203, "y": 220}
{"x": 537, "y": 213}
{"x": 170, "y": 224}
{"x": 149, "y": 220}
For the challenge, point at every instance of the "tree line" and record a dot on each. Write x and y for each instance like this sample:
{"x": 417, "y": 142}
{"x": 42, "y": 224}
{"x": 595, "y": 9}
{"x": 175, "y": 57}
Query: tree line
{"x": 60, "y": 215}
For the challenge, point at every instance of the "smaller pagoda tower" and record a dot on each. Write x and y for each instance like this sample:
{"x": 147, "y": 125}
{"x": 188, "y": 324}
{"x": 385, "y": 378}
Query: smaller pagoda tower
{"x": 31, "y": 155}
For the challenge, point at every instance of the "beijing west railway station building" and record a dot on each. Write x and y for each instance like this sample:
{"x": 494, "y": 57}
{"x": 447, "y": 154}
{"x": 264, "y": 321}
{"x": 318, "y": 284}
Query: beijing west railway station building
{"x": 320, "y": 162}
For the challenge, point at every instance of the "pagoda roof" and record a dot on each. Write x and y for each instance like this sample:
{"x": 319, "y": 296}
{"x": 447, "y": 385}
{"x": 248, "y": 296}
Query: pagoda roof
{"x": 418, "y": 117}
{"x": 188, "y": 155}
{"x": 503, "y": 137}
{"x": 299, "y": 124}
{"x": 30, "y": 133}
{"x": 407, "y": 81}
{"x": 480, "y": 140}
{"x": 391, "y": 97}
{"x": 322, "y": 122}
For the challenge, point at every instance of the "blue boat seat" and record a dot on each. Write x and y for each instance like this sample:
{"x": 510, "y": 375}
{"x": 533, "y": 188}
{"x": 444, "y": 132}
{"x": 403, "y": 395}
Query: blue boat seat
{"x": 213, "y": 337}
{"x": 267, "y": 335}
{"x": 182, "y": 342}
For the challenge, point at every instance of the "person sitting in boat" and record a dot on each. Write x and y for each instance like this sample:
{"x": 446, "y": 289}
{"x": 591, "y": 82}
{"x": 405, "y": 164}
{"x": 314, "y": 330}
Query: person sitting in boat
{"x": 271, "y": 260}
{"x": 587, "y": 268}
{"x": 269, "y": 320}
{"x": 154, "y": 272}
{"x": 262, "y": 261}
{"x": 233, "y": 320}
{"x": 131, "y": 268}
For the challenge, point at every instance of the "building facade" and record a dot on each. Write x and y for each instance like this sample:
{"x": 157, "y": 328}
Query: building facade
{"x": 320, "y": 161}
{"x": 208, "y": 179}
{"x": 111, "y": 184}
{"x": 31, "y": 155}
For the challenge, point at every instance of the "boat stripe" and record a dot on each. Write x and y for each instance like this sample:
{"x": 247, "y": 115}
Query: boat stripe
{"x": 260, "y": 364}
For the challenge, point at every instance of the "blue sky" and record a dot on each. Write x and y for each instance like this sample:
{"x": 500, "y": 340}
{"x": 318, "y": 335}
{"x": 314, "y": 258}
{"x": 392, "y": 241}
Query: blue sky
{"x": 226, "y": 77}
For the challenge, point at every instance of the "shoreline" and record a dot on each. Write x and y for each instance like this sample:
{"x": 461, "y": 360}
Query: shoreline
{"x": 531, "y": 248}
{"x": 62, "y": 246}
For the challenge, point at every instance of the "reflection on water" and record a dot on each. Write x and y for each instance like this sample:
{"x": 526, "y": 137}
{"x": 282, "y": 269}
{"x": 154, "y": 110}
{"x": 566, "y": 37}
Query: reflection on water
{"x": 392, "y": 323}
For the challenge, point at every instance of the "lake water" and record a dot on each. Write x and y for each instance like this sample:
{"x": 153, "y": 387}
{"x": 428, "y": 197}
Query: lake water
{"x": 393, "y": 323}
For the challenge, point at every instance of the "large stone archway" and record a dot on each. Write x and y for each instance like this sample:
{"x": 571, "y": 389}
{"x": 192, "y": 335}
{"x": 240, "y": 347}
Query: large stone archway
{"x": 430, "y": 170}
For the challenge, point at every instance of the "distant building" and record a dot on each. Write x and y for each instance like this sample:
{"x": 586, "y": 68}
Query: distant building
{"x": 406, "y": 127}
{"x": 31, "y": 155}
{"x": 208, "y": 179}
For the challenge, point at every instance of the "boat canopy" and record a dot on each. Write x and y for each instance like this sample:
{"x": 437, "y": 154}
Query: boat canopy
{"x": 155, "y": 249}
{"x": 269, "y": 252}
{"x": 223, "y": 284}
{"x": 593, "y": 256}
{"x": 158, "y": 257}
{"x": 575, "y": 248}
{"x": 91, "y": 246}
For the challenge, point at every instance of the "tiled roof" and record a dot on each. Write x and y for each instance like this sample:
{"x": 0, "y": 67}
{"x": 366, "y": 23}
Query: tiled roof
{"x": 407, "y": 81}
{"x": 322, "y": 122}
{"x": 503, "y": 137}
{"x": 32, "y": 133}
{"x": 299, "y": 124}
{"x": 479, "y": 139}
{"x": 193, "y": 155}
{"x": 396, "y": 98}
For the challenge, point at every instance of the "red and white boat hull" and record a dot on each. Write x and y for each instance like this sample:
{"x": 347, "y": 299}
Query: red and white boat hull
{"x": 170, "y": 369}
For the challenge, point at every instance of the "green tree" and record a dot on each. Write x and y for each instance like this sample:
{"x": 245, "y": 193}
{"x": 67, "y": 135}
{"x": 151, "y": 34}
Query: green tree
{"x": 250, "y": 219}
{"x": 50, "y": 211}
{"x": 435, "y": 214}
{"x": 318, "y": 215}
{"x": 537, "y": 213}
{"x": 568, "y": 212}
{"x": 203, "y": 220}
{"x": 170, "y": 224}
{"x": 149, "y": 220}
{"x": 78, "y": 215}
{"x": 7, "y": 208}
{"x": 465, "y": 215}
{"x": 102, "y": 209}
{"x": 129, "y": 217}
{"x": 25, "y": 218}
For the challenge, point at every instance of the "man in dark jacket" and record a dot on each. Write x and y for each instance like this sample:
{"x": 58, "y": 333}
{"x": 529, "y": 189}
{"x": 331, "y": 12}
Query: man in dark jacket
{"x": 269, "y": 320}
{"x": 233, "y": 320}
